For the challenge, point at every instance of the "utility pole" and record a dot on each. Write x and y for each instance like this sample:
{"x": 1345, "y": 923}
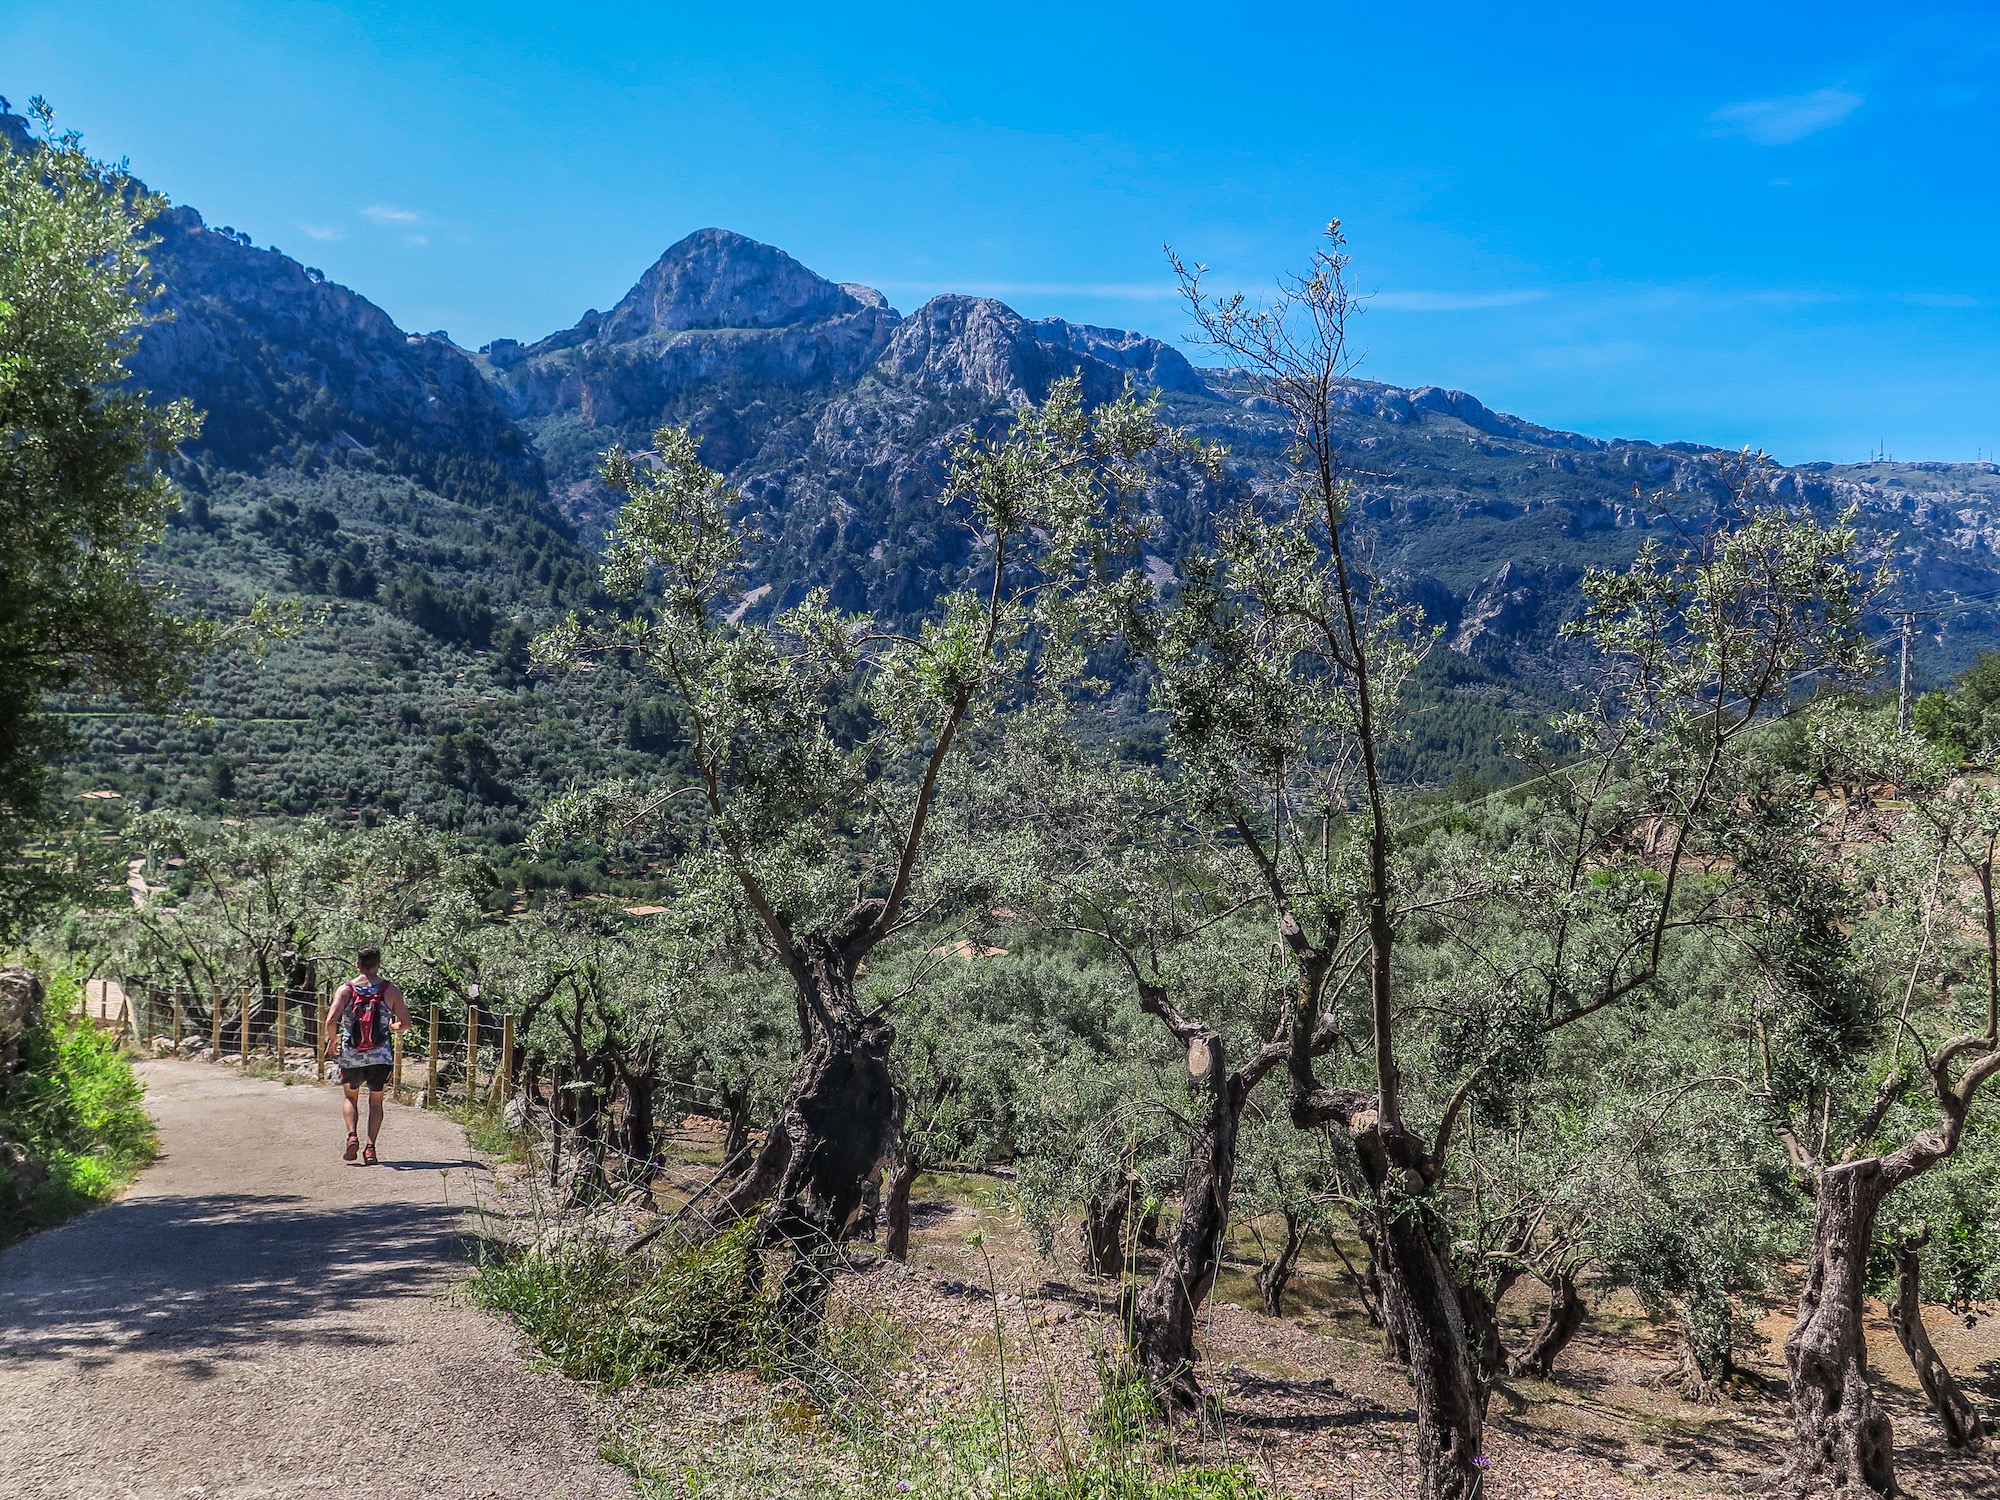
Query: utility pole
{"x": 1908, "y": 619}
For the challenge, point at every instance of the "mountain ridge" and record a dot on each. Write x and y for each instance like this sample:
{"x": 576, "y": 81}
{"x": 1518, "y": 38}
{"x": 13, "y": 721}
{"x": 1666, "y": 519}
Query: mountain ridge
{"x": 1484, "y": 517}
{"x": 441, "y": 504}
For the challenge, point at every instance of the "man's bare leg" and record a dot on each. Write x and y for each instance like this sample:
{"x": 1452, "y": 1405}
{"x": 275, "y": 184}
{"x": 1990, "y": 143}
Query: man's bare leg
{"x": 374, "y": 1114}
{"x": 350, "y": 1107}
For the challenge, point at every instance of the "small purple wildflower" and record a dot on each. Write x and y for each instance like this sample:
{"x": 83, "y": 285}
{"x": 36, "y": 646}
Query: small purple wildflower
{"x": 1482, "y": 1462}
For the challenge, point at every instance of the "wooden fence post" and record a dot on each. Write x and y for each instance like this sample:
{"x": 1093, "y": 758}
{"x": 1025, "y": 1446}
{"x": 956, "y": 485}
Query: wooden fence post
{"x": 243, "y": 1043}
{"x": 284, "y": 1003}
{"x": 215, "y": 1023}
{"x": 503, "y": 1081}
{"x": 431, "y": 1048}
{"x": 180, "y": 1020}
{"x": 471, "y": 1055}
{"x": 396, "y": 1066}
{"x": 319, "y": 1032}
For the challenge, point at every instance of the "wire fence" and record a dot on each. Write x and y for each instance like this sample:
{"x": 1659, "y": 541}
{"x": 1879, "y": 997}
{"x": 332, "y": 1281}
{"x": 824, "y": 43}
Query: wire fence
{"x": 464, "y": 1053}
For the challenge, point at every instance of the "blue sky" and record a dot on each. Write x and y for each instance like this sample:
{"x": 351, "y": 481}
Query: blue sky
{"x": 1772, "y": 224}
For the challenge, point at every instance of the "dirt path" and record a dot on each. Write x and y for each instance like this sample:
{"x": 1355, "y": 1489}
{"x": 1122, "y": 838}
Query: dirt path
{"x": 258, "y": 1319}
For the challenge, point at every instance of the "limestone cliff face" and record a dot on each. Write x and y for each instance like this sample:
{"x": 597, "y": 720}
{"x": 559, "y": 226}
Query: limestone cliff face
{"x": 836, "y": 416}
{"x": 281, "y": 361}
{"x": 1148, "y": 361}
{"x": 977, "y": 344}
{"x": 834, "y": 413}
{"x": 278, "y": 357}
{"x": 721, "y": 323}
{"x": 717, "y": 323}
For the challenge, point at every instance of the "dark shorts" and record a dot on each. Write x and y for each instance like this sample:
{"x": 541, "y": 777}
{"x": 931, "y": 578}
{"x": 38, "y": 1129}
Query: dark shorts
{"x": 374, "y": 1077}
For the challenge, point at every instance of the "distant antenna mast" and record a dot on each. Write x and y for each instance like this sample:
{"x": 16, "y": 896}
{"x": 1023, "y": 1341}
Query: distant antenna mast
{"x": 1908, "y": 618}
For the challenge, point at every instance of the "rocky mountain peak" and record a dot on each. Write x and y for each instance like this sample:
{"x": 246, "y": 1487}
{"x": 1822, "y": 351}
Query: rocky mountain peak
{"x": 1150, "y": 361}
{"x": 959, "y": 342}
{"x": 283, "y": 362}
{"x": 954, "y": 341}
{"x": 715, "y": 278}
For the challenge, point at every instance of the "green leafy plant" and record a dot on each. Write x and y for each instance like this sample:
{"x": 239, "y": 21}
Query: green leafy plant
{"x": 74, "y": 1108}
{"x": 604, "y": 1316}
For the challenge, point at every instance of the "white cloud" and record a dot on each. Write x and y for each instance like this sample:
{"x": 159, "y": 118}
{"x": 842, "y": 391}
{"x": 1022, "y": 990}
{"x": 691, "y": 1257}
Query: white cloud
{"x": 1451, "y": 301}
{"x": 383, "y": 213}
{"x": 322, "y": 232}
{"x": 1778, "y": 122}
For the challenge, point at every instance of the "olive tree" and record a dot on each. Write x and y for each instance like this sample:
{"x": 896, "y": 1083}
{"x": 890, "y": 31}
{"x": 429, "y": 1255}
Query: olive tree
{"x": 820, "y": 829}
{"x": 262, "y": 903}
{"x": 1124, "y": 860}
{"x": 1876, "y": 930}
{"x": 1281, "y": 667}
{"x": 1941, "y": 1235}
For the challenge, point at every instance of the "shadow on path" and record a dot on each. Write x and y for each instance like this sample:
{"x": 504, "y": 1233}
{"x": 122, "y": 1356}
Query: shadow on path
{"x": 224, "y": 1273}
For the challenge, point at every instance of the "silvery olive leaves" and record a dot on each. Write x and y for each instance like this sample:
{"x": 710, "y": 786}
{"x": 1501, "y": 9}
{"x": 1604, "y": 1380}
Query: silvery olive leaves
{"x": 823, "y": 743}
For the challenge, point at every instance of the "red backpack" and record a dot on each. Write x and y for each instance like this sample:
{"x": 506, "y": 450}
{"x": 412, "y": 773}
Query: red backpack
{"x": 366, "y": 1023}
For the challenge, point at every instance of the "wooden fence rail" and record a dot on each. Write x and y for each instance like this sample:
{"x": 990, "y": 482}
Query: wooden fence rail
{"x": 248, "y": 1028}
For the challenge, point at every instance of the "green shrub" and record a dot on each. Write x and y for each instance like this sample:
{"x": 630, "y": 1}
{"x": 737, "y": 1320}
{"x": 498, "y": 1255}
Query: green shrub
{"x": 834, "y": 1421}
{"x": 75, "y": 1106}
{"x": 604, "y": 1316}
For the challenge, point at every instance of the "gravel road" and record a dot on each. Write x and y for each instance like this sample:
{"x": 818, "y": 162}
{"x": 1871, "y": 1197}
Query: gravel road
{"x": 256, "y": 1318}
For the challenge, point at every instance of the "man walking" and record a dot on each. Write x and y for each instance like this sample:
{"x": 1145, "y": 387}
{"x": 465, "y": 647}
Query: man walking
{"x": 366, "y": 1011}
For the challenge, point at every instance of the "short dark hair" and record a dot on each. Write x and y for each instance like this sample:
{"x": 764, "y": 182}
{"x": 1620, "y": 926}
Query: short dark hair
{"x": 369, "y": 957}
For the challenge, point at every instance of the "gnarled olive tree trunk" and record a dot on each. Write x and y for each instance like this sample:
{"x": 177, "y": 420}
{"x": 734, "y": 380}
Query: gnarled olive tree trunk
{"x": 1420, "y": 1296}
{"x": 635, "y": 1127}
{"x": 1480, "y": 1311}
{"x": 576, "y": 1148}
{"x": 1369, "y": 1282}
{"x": 1565, "y": 1315}
{"x": 905, "y": 1167}
{"x": 1275, "y": 1275}
{"x": 839, "y": 1118}
{"x": 1479, "y": 1305}
{"x": 1963, "y": 1428}
{"x": 301, "y": 987}
{"x": 736, "y": 1137}
{"x": 1104, "y": 1219}
{"x": 1841, "y": 1435}
{"x": 1163, "y": 1318}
